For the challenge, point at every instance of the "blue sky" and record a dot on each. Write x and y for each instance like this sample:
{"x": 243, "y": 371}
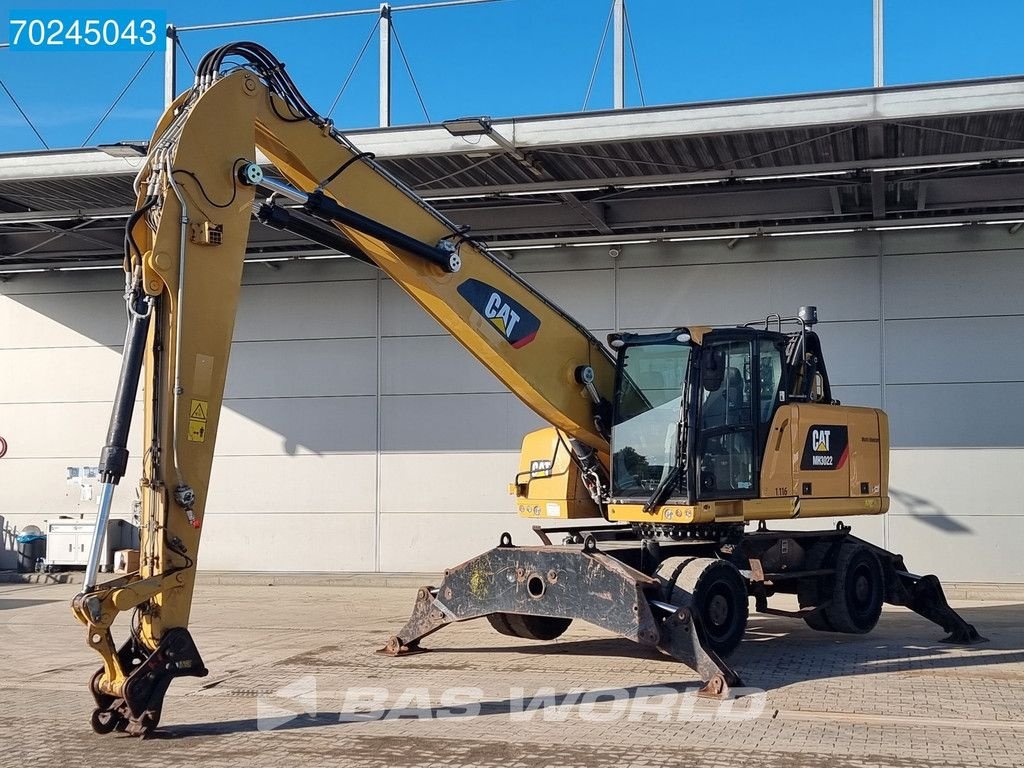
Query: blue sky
{"x": 521, "y": 57}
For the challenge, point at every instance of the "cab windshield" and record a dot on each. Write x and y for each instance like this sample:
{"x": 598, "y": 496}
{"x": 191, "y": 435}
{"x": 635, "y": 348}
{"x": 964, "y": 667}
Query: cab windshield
{"x": 647, "y": 416}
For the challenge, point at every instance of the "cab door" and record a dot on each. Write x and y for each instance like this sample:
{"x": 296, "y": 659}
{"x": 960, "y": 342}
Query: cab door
{"x": 728, "y": 425}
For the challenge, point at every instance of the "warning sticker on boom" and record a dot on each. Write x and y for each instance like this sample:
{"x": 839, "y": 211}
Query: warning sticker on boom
{"x": 197, "y": 414}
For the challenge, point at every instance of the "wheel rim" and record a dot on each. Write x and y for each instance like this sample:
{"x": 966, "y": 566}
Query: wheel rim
{"x": 719, "y": 613}
{"x": 861, "y": 591}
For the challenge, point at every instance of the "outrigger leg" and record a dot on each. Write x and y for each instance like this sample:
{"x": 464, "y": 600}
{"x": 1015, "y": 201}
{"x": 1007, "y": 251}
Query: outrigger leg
{"x": 565, "y": 582}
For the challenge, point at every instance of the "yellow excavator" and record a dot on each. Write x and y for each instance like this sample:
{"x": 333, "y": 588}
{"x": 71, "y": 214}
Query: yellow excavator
{"x": 666, "y": 446}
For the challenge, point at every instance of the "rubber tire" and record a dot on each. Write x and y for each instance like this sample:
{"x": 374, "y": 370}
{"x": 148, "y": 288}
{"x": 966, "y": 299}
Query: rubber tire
{"x": 846, "y": 613}
{"x": 815, "y": 590}
{"x": 528, "y": 627}
{"x": 693, "y": 582}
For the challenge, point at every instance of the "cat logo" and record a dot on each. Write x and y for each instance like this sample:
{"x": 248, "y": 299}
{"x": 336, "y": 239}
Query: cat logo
{"x": 510, "y": 318}
{"x": 820, "y": 439}
{"x": 825, "y": 447}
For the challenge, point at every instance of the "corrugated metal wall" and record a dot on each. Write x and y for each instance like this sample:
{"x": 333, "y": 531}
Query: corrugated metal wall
{"x": 358, "y": 436}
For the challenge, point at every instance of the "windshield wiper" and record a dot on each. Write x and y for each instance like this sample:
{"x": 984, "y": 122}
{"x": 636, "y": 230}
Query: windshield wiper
{"x": 662, "y": 491}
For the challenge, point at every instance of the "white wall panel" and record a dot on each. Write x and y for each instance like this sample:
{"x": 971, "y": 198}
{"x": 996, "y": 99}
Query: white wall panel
{"x": 302, "y": 368}
{"x": 298, "y": 425}
{"x": 335, "y": 310}
{"x": 64, "y": 375}
{"x": 41, "y": 431}
{"x": 425, "y": 423}
{"x": 431, "y": 542}
{"x": 447, "y": 483}
{"x": 285, "y": 542}
{"x": 253, "y": 485}
{"x": 954, "y": 484}
{"x": 42, "y": 320}
{"x": 985, "y": 549}
{"x": 302, "y": 483}
{"x": 433, "y": 365}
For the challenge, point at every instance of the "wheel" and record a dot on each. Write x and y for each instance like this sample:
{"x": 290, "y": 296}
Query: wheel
{"x": 717, "y": 594}
{"x": 815, "y": 590}
{"x": 529, "y": 627}
{"x": 858, "y": 591}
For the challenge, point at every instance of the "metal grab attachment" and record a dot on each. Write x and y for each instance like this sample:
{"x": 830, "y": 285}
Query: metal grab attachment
{"x": 569, "y": 583}
{"x": 137, "y": 710}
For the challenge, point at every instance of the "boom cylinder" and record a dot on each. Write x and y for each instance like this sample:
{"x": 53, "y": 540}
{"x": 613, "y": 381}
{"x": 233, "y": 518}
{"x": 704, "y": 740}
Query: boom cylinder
{"x": 114, "y": 456}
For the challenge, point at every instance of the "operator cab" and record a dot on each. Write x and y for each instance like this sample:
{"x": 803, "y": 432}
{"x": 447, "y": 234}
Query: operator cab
{"x": 693, "y": 407}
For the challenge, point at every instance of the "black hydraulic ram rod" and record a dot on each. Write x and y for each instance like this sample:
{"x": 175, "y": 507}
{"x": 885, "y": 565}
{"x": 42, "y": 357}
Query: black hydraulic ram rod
{"x": 114, "y": 456}
{"x": 276, "y": 217}
{"x": 319, "y": 205}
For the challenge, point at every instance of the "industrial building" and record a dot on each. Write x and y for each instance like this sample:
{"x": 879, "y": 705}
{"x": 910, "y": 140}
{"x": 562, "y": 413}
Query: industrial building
{"x": 357, "y": 436}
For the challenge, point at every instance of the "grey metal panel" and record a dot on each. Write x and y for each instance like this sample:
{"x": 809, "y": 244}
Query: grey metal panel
{"x": 302, "y": 368}
{"x": 295, "y": 425}
{"x": 588, "y": 296}
{"x": 317, "y": 270}
{"x": 867, "y": 396}
{"x": 748, "y": 250}
{"x": 433, "y": 365}
{"x": 337, "y": 309}
{"x": 956, "y": 284}
{"x": 401, "y": 316}
{"x": 457, "y": 423}
{"x": 724, "y": 294}
{"x": 852, "y": 351}
{"x": 969, "y": 349}
{"x": 956, "y": 415}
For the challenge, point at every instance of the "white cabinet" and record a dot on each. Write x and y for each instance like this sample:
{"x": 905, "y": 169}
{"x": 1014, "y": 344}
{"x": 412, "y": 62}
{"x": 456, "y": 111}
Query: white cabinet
{"x": 68, "y": 542}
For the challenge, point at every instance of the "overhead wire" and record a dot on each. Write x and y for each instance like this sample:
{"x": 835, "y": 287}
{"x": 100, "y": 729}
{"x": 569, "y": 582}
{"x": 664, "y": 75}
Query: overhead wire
{"x": 23, "y": 114}
{"x": 119, "y": 97}
{"x": 352, "y": 70}
{"x": 600, "y": 53}
{"x": 408, "y": 68}
{"x": 632, "y": 51}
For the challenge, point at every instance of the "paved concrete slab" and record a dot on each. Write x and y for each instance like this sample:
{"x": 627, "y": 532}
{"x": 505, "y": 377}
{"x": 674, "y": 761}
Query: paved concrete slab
{"x": 892, "y": 698}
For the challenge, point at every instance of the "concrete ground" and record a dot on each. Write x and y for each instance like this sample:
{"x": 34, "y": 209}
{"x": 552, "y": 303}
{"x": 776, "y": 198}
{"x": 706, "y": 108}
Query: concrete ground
{"x": 892, "y": 698}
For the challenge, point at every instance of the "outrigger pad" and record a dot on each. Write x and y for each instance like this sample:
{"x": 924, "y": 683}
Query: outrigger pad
{"x": 563, "y": 582}
{"x": 928, "y": 600}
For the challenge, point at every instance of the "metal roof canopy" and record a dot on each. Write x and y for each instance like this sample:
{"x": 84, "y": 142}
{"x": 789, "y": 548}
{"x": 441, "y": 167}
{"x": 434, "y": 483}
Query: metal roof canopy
{"x": 874, "y": 158}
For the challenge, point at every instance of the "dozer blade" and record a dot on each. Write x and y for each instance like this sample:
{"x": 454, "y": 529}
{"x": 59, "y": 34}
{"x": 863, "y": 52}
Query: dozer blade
{"x": 564, "y": 582}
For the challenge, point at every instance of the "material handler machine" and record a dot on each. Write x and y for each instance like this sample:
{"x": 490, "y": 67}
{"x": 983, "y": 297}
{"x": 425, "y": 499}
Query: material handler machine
{"x": 666, "y": 446}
